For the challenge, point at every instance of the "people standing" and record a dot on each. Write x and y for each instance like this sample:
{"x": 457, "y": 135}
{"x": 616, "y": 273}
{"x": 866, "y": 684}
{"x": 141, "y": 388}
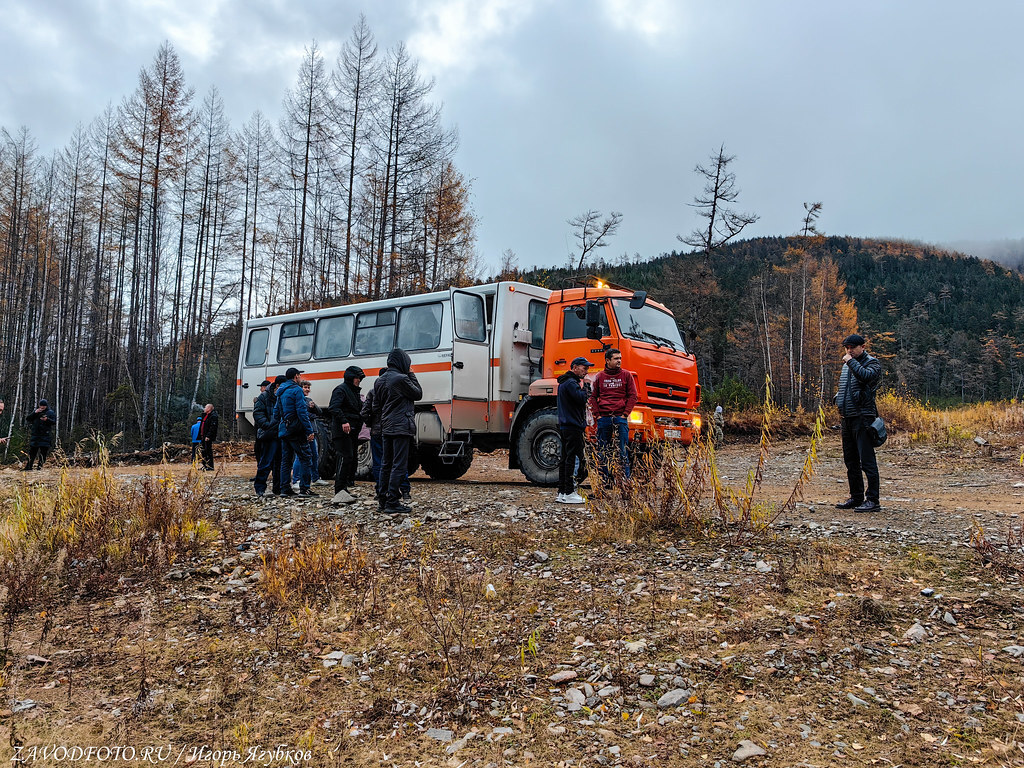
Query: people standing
{"x": 269, "y": 444}
{"x": 718, "y": 428}
{"x": 573, "y": 393}
{"x": 612, "y": 399}
{"x": 396, "y": 391}
{"x": 370, "y": 413}
{"x": 43, "y": 420}
{"x": 855, "y": 399}
{"x": 208, "y": 435}
{"x": 315, "y": 412}
{"x": 5, "y": 438}
{"x": 346, "y": 421}
{"x": 194, "y": 434}
{"x": 296, "y": 432}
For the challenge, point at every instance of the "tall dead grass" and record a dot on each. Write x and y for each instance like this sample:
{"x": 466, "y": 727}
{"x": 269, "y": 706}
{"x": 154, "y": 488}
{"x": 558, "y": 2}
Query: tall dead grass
{"x": 923, "y": 423}
{"x": 91, "y": 530}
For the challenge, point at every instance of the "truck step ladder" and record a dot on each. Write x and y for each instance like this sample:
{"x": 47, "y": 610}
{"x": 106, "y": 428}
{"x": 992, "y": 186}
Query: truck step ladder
{"x": 457, "y": 445}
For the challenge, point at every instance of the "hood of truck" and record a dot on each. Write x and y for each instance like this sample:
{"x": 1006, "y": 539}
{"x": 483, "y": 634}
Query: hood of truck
{"x": 664, "y": 378}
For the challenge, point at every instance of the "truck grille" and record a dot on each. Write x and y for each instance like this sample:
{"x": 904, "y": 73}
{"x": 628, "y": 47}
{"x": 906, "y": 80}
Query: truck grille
{"x": 670, "y": 393}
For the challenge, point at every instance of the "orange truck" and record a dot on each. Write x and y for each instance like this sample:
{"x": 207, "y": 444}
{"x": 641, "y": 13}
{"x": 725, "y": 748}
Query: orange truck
{"x": 487, "y": 357}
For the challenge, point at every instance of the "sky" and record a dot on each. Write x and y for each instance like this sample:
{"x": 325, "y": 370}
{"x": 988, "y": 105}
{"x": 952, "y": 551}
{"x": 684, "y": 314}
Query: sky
{"x": 903, "y": 118}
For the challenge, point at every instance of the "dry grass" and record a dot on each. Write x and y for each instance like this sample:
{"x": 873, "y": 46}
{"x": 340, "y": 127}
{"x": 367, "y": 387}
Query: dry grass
{"x": 954, "y": 426}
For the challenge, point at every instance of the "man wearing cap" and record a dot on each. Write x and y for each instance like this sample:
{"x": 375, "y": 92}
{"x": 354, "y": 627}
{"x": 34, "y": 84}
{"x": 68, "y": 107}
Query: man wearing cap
{"x": 612, "y": 400}
{"x": 296, "y": 432}
{"x": 257, "y": 447}
{"x": 263, "y": 415}
{"x": 346, "y": 422}
{"x": 855, "y": 400}
{"x": 40, "y": 440}
{"x": 573, "y": 391}
{"x": 208, "y": 435}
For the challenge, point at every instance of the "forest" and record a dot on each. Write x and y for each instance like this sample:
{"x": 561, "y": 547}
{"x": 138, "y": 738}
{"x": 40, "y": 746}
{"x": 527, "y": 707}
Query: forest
{"x": 130, "y": 257}
{"x": 948, "y": 328}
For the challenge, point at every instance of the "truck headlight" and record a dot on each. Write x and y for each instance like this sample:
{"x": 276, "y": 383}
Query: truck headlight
{"x": 636, "y": 417}
{"x": 696, "y": 423}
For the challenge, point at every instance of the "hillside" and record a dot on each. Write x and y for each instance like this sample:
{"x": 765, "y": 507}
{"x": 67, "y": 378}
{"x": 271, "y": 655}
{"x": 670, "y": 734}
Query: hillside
{"x": 948, "y": 327}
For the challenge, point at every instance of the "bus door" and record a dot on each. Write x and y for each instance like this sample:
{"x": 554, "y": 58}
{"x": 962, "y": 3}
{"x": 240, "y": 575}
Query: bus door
{"x": 471, "y": 364}
{"x": 254, "y": 367}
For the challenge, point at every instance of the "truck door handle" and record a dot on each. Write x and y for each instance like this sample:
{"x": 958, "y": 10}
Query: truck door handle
{"x": 245, "y": 386}
{"x": 560, "y": 361}
{"x": 459, "y": 364}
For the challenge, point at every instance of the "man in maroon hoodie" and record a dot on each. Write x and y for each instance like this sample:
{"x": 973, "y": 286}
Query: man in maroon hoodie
{"x": 611, "y": 399}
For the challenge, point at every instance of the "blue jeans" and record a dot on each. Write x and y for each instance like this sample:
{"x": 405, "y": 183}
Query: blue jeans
{"x": 269, "y": 466}
{"x": 607, "y": 428}
{"x": 314, "y": 451}
{"x": 295, "y": 451}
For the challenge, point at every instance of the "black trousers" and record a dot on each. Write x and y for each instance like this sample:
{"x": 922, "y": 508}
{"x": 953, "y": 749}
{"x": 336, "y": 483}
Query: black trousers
{"x": 346, "y": 450}
{"x": 859, "y": 457}
{"x": 207, "y": 452}
{"x": 394, "y": 467}
{"x": 573, "y": 442}
{"x": 37, "y": 450}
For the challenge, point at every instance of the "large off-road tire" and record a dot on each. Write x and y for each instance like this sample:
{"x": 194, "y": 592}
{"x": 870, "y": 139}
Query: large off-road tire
{"x": 432, "y": 464}
{"x": 364, "y": 461}
{"x": 540, "y": 447}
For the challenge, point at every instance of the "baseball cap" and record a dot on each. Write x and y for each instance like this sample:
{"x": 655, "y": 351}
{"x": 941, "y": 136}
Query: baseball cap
{"x": 264, "y": 383}
{"x": 581, "y": 361}
{"x": 853, "y": 340}
{"x": 291, "y": 373}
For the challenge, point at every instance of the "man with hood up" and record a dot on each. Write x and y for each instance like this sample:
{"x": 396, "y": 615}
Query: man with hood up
{"x": 573, "y": 392}
{"x": 346, "y": 422}
{"x": 395, "y": 393}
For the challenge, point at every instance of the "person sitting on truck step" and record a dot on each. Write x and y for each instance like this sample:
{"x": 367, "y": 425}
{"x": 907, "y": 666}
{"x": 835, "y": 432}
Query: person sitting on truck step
{"x": 395, "y": 392}
{"x": 612, "y": 399}
{"x": 573, "y": 392}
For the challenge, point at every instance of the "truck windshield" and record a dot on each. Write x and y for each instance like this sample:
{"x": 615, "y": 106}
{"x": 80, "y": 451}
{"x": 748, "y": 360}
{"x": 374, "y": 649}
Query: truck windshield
{"x": 648, "y": 324}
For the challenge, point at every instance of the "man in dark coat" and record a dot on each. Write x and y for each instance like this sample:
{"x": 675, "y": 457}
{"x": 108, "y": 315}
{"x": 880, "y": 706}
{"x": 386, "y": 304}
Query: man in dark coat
{"x": 257, "y": 448}
{"x": 266, "y": 438}
{"x": 371, "y": 418}
{"x": 573, "y": 392}
{"x": 346, "y": 422}
{"x": 40, "y": 440}
{"x": 295, "y": 429}
{"x": 395, "y": 393}
{"x": 855, "y": 400}
{"x": 208, "y": 435}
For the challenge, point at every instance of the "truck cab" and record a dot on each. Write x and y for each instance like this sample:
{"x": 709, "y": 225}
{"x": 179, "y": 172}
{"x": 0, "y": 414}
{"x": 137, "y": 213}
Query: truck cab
{"x": 586, "y": 321}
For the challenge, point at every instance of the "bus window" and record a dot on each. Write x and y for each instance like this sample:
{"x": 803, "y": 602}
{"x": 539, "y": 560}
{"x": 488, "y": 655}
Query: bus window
{"x": 296, "y": 341}
{"x": 256, "y": 352}
{"x": 469, "y": 317}
{"x": 420, "y": 327}
{"x": 538, "y": 316}
{"x": 375, "y": 332}
{"x": 334, "y": 336}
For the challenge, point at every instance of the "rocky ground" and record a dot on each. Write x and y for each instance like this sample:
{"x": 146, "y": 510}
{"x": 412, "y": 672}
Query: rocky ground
{"x": 496, "y": 628}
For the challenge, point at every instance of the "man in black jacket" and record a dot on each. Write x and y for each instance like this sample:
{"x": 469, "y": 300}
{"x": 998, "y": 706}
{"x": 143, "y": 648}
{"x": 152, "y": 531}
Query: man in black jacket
{"x": 266, "y": 438}
{"x": 208, "y": 435}
{"x": 855, "y": 400}
{"x": 573, "y": 393}
{"x": 257, "y": 447}
{"x": 395, "y": 393}
{"x": 43, "y": 420}
{"x": 346, "y": 422}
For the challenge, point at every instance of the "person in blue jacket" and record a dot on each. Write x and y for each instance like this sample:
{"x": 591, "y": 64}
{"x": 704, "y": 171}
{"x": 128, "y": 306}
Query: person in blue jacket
{"x": 296, "y": 432}
{"x": 196, "y": 442}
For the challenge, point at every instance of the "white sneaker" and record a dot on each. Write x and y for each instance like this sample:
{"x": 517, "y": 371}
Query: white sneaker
{"x": 321, "y": 481}
{"x": 573, "y": 498}
{"x": 560, "y": 498}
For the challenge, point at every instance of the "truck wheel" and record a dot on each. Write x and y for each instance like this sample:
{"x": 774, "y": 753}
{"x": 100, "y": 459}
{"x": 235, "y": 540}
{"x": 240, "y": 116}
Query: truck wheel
{"x": 540, "y": 447}
{"x": 432, "y": 464}
{"x": 364, "y": 461}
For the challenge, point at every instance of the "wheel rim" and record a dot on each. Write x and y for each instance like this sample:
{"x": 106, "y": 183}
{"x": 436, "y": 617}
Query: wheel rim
{"x": 547, "y": 449}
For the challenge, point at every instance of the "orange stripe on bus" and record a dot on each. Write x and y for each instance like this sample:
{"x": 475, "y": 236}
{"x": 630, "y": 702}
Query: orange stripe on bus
{"x": 431, "y": 367}
{"x": 421, "y": 368}
{"x": 495, "y": 362}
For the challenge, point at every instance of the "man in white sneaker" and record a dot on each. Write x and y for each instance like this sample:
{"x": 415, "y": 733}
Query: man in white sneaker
{"x": 573, "y": 393}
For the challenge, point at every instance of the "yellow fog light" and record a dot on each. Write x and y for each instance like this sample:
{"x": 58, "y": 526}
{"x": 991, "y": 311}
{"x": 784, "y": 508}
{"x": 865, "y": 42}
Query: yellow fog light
{"x": 636, "y": 417}
{"x": 696, "y": 423}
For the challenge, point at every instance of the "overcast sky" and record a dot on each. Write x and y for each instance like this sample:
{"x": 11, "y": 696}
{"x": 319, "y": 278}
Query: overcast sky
{"x": 904, "y": 118}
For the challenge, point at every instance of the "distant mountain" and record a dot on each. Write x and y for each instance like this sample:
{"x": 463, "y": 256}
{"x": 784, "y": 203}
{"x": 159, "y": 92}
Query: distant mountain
{"x": 949, "y": 327}
{"x": 1009, "y": 253}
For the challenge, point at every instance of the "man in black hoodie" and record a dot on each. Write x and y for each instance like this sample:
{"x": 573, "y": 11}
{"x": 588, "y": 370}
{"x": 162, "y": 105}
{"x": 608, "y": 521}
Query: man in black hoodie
{"x": 266, "y": 437}
{"x": 40, "y": 440}
{"x": 394, "y": 393}
{"x": 345, "y": 425}
{"x": 573, "y": 393}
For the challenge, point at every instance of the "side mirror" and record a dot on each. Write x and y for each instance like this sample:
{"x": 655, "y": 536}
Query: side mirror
{"x": 593, "y": 313}
{"x": 638, "y": 300}
{"x": 594, "y": 332}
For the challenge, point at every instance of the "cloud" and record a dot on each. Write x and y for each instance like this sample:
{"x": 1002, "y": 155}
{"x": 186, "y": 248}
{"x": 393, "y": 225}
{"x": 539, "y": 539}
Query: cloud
{"x": 653, "y": 20}
{"x": 453, "y": 36}
{"x": 190, "y": 26}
